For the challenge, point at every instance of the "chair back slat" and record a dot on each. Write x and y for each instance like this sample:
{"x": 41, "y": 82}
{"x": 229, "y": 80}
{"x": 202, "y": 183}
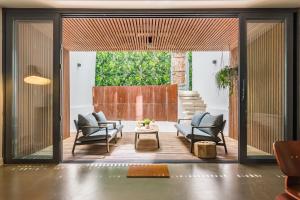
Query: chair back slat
{"x": 222, "y": 126}
{"x": 288, "y": 157}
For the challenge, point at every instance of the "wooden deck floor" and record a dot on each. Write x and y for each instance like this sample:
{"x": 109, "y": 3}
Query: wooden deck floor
{"x": 171, "y": 148}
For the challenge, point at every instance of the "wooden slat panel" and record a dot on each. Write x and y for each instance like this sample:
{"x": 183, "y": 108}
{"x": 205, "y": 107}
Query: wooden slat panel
{"x": 265, "y": 98}
{"x": 33, "y": 103}
{"x": 169, "y": 34}
{"x": 137, "y": 102}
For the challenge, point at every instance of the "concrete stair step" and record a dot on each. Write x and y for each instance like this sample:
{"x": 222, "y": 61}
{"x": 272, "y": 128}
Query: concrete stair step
{"x": 200, "y": 105}
{"x": 196, "y": 95}
{"x": 190, "y": 98}
{"x": 200, "y": 110}
{"x": 187, "y": 117}
{"x": 195, "y": 108}
{"x": 193, "y": 103}
{"x": 188, "y": 93}
{"x": 192, "y": 109}
{"x": 189, "y": 112}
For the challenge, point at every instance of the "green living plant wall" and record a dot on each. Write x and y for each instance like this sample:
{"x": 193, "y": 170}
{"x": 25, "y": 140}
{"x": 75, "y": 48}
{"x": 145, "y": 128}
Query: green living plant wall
{"x": 132, "y": 68}
{"x": 190, "y": 58}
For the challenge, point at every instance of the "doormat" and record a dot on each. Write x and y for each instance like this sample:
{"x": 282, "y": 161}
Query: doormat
{"x": 148, "y": 171}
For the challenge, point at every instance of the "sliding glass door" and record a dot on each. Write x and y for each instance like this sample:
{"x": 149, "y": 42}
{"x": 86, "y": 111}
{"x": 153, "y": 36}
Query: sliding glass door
{"x": 267, "y": 84}
{"x": 32, "y": 87}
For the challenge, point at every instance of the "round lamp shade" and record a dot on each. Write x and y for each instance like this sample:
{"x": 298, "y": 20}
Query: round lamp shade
{"x": 35, "y": 78}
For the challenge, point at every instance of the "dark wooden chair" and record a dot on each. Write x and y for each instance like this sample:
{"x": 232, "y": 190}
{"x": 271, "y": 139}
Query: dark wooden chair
{"x": 288, "y": 158}
{"x": 192, "y": 137}
{"x": 104, "y": 134}
{"x": 101, "y": 119}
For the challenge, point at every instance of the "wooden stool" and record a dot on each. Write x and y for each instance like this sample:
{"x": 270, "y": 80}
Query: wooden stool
{"x": 205, "y": 149}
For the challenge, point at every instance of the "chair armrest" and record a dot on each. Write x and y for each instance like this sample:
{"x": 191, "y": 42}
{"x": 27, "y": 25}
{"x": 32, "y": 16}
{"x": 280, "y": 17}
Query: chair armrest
{"x": 179, "y": 120}
{"x": 114, "y": 122}
{"x": 193, "y": 127}
{"x": 94, "y": 127}
{"x": 106, "y": 123}
{"x": 204, "y": 127}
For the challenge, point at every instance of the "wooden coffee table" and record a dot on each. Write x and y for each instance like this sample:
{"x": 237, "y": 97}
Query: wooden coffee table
{"x": 142, "y": 130}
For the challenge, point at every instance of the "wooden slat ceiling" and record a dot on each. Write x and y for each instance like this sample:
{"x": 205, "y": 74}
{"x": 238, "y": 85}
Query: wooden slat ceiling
{"x": 132, "y": 34}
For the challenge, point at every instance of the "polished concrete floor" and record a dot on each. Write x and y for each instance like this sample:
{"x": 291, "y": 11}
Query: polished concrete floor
{"x": 108, "y": 182}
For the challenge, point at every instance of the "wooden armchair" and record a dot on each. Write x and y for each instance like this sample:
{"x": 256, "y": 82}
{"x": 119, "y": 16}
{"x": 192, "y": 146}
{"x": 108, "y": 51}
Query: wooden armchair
{"x": 103, "y": 134}
{"x": 288, "y": 158}
{"x": 101, "y": 119}
{"x": 194, "y": 134}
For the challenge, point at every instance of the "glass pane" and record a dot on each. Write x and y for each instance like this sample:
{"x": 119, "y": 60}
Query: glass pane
{"x": 265, "y": 85}
{"x": 32, "y": 90}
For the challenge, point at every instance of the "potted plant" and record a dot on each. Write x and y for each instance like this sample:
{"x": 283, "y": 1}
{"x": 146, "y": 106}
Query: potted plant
{"x": 225, "y": 77}
{"x": 147, "y": 122}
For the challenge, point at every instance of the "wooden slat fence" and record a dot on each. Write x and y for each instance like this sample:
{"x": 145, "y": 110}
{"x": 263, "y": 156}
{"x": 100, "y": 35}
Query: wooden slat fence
{"x": 137, "y": 102}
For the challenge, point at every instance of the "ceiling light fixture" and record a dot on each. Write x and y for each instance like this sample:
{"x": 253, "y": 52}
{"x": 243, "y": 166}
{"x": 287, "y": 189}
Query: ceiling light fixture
{"x": 149, "y": 42}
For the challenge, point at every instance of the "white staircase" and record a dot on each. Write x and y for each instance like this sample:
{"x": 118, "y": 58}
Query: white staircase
{"x": 191, "y": 102}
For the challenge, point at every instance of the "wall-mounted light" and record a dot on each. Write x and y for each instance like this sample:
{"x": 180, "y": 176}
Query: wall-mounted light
{"x": 35, "y": 78}
{"x": 149, "y": 42}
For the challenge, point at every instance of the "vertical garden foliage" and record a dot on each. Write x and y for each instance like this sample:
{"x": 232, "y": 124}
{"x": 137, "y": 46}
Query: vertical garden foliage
{"x": 132, "y": 68}
{"x": 190, "y": 59}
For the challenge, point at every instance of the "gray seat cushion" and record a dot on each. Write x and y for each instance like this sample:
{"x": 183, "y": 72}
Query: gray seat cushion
{"x": 119, "y": 127}
{"x": 99, "y": 135}
{"x": 199, "y": 135}
{"x": 210, "y": 120}
{"x": 100, "y": 117}
{"x": 88, "y": 120}
{"x": 197, "y": 118}
{"x": 184, "y": 128}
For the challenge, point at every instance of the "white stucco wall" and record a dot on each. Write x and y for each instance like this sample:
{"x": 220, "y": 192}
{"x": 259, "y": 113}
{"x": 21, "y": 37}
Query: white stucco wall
{"x": 204, "y": 71}
{"x": 1, "y": 93}
{"x": 82, "y": 80}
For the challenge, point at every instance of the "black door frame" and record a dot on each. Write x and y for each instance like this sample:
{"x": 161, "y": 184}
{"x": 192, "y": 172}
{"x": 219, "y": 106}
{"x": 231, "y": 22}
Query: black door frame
{"x": 297, "y": 77}
{"x": 83, "y": 13}
{"x": 10, "y": 17}
{"x": 289, "y": 84}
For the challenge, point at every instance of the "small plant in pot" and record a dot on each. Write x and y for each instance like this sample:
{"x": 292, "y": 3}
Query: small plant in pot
{"x": 225, "y": 77}
{"x": 147, "y": 122}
